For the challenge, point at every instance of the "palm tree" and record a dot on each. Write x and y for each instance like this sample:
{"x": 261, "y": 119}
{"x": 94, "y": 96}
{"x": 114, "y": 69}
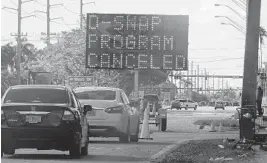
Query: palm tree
{"x": 263, "y": 33}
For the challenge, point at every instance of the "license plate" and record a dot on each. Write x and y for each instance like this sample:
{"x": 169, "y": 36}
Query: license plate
{"x": 91, "y": 113}
{"x": 33, "y": 119}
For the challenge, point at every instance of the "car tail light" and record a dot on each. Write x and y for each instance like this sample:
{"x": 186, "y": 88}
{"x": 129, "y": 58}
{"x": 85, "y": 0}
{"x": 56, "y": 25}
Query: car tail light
{"x": 68, "y": 116}
{"x": 117, "y": 109}
{"x": 2, "y": 116}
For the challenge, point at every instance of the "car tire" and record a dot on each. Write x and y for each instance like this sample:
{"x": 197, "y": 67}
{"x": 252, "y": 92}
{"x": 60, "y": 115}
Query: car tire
{"x": 195, "y": 108}
{"x": 163, "y": 124}
{"x": 135, "y": 138}
{"x": 125, "y": 138}
{"x": 9, "y": 150}
{"x": 75, "y": 148}
{"x": 215, "y": 108}
{"x": 84, "y": 150}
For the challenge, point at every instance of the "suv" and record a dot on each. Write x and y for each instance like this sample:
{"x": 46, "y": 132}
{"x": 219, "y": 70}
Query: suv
{"x": 219, "y": 104}
{"x": 188, "y": 104}
{"x": 43, "y": 117}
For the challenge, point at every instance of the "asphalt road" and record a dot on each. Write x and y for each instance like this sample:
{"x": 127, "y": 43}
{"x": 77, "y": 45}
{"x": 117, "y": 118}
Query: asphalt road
{"x": 105, "y": 150}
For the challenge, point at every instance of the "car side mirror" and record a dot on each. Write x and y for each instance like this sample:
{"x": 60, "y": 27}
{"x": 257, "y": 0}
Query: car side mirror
{"x": 87, "y": 108}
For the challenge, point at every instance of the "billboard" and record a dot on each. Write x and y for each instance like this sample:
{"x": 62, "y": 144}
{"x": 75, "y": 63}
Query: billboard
{"x": 75, "y": 81}
{"x": 123, "y": 41}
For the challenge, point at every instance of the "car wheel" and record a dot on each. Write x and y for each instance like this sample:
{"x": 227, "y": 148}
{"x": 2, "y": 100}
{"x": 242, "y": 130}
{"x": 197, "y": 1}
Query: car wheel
{"x": 163, "y": 124}
{"x": 195, "y": 108}
{"x": 134, "y": 138}
{"x": 125, "y": 138}
{"x": 186, "y": 108}
{"x": 84, "y": 150}
{"x": 9, "y": 150}
{"x": 75, "y": 148}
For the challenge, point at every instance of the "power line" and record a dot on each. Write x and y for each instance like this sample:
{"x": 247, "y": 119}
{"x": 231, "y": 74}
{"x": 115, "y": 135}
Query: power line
{"x": 10, "y": 11}
{"x": 221, "y": 60}
{"x": 70, "y": 10}
{"x": 13, "y": 3}
{"x": 36, "y": 1}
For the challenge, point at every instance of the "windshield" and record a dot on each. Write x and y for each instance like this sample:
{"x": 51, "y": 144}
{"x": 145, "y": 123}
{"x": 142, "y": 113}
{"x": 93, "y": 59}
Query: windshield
{"x": 182, "y": 100}
{"x": 36, "y": 95}
{"x": 97, "y": 95}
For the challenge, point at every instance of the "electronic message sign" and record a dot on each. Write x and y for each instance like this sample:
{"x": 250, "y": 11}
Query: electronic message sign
{"x": 122, "y": 41}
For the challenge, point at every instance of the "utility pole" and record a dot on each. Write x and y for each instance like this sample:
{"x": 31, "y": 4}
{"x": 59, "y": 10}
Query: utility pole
{"x": 218, "y": 84}
{"x": 192, "y": 71}
{"x": 81, "y": 14}
{"x": 19, "y": 34}
{"x": 208, "y": 88}
{"x": 251, "y": 53}
{"x": 213, "y": 84}
{"x": 222, "y": 84}
{"x": 202, "y": 83}
{"x": 205, "y": 81}
{"x": 19, "y": 42}
{"x": 197, "y": 78}
{"x": 195, "y": 81}
{"x": 48, "y": 22}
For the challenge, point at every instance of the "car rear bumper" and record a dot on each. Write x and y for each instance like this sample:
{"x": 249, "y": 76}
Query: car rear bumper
{"x": 105, "y": 128}
{"x": 176, "y": 106}
{"x": 40, "y": 138}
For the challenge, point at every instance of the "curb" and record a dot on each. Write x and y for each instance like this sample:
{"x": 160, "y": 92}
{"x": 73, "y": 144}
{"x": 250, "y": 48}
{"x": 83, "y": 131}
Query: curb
{"x": 161, "y": 155}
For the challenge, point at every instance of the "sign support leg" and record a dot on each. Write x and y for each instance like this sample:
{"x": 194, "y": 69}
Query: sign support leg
{"x": 136, "y": 84}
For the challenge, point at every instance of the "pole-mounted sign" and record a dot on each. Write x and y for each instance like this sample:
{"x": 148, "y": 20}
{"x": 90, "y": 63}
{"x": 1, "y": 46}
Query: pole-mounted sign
{"x": 122, "y": 41}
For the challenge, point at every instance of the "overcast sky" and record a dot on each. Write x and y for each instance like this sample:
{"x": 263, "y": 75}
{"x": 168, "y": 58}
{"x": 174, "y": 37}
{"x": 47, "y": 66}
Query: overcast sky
{"x": 218, "y": 48}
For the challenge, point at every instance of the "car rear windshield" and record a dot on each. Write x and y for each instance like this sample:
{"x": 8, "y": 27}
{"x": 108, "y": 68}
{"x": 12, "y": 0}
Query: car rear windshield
{"x": 182, "y": 100}
{"x": 37, "y": 95}
{"x": 96, "y": 95}
{"x": 219, "y": 102}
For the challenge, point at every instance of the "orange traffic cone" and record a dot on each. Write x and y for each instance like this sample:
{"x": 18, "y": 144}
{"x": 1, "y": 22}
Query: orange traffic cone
{"x": 145, "y": 134}
{"x": 212, "y": 127}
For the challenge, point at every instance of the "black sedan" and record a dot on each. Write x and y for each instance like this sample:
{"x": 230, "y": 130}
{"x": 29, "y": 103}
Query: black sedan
{"x": 43, "y": 117}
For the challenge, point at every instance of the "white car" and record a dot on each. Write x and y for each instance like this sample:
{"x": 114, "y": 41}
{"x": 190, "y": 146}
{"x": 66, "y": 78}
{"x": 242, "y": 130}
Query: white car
{"x": 186, "y": 104}
{"x": 112, "y": 114}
